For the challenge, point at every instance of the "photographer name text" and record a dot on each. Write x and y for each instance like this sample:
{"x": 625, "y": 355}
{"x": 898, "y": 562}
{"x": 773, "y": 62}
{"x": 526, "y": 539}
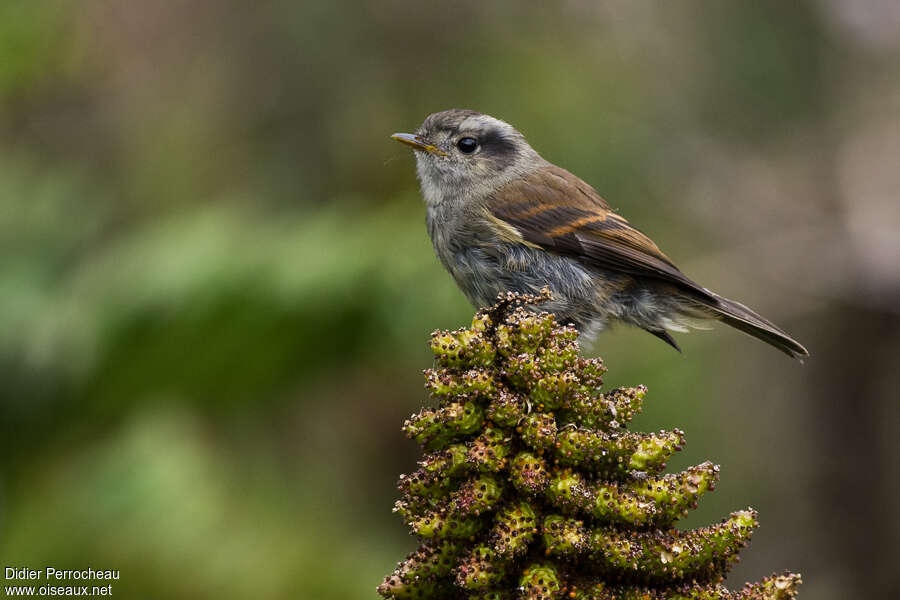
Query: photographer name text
{"x": 52, "y": 575}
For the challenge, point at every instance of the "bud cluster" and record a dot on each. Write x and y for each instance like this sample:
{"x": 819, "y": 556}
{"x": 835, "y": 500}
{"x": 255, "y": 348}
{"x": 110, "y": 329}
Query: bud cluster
{"x": 533, "y": 489}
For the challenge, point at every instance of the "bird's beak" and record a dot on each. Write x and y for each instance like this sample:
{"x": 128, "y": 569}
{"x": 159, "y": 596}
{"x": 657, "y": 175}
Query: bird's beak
{"x": 417, "y": 143}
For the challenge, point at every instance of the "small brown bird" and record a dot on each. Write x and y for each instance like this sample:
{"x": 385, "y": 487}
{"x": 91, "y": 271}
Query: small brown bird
{"x": 502, "y": 218}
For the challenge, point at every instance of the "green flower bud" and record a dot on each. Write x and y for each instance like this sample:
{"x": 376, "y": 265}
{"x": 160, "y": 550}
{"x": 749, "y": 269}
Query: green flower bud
{"x": 783, "y": 587}
{"x": 553, "y": 391}
{"x": 437, "y": 428}
{"x": 489, "y": 451}
{"x": 562, "y": 351}
{"x": 506, "y": 409}
{"x": 521, "y": 371}
{"x": 538, "y": 430}
{"x": 523, "y": 332}
{"x": 445, "y": 385}
{"x": 477, "y": 350}
{"x": 673, "y": 495}
{"x": 440, "y": 525}
{"x": 514, "y": 528}
{"x": 449, "y": 462}
{"x": 480, "y": 569}
{"x": 462, "y": 349}
{"x": 621, "y": 452}
{"x": 613, "y": 505}
{"x": 539, "y": 582}
{"x": 658, "y": 557}
{"x": 529, "y": 473}
{"x": 775, "y": 587}
{"x": 435, "y": 475}
{"x": 418, "y": 576}
{"x": 606, "y": 411}
{"x": 590, "y": 373}
{"x": 482, "y": 322}
{"x": 564, "y": 537}
{"x": 476, "y": 496}
{"x": 448, "y": 351}
{"x": 569, "y": 492}
{"x": 652, "y": 452}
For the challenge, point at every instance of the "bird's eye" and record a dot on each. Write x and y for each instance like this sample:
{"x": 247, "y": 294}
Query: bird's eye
{"x": 467, "y": 145}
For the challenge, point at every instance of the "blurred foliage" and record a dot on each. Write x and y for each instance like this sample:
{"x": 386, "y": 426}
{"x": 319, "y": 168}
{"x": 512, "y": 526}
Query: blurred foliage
{"x": 215, "y": 277}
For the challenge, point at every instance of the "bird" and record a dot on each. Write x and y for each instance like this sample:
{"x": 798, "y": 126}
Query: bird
{"x": 503, "y": 219}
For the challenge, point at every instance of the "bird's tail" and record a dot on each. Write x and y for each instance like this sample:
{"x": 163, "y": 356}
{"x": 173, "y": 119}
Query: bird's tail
{"x": 740, "y": 317}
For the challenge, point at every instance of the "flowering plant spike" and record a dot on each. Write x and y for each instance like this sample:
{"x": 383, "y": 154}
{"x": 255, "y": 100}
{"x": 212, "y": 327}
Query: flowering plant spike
{"x": 531, "y": 487}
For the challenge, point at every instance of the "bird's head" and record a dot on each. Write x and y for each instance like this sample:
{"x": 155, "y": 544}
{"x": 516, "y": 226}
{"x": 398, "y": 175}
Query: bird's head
{"x": 464, "y": 155}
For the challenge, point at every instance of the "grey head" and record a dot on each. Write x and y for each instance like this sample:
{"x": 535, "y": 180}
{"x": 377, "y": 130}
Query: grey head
{"x": 464, "y": 155}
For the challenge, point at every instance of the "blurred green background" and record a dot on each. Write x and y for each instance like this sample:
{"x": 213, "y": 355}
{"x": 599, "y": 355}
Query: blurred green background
{"x": 216, "y": 284}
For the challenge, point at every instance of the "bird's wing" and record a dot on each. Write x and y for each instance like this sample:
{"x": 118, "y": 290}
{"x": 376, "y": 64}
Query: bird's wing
{"x": 555, "y": 210}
